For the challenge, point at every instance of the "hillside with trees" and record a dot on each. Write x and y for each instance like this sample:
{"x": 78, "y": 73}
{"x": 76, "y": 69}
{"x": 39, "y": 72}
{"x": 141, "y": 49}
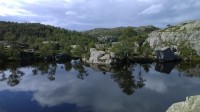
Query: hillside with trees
{"x": 19, "y": 41}
{"x": 118, "y": 31}
{"x": 126, "y": 42}
{"x": 42, "y": 39}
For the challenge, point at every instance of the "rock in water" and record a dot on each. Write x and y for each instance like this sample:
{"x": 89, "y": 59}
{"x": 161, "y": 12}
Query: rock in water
{"x": 192, "y": 104}
{"x": 167, "y": 54}
{"x": 101, "y": 57}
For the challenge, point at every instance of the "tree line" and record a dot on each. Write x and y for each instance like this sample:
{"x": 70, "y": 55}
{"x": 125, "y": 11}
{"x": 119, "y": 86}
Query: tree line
{"x": 43, "y": 39}
{"x": 47, "y": 40}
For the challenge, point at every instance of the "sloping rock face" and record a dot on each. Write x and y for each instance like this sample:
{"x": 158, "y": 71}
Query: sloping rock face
{"x": 101, "y": 57}
{"x": 187, "y": 33}
{"x": 192, "y": 104}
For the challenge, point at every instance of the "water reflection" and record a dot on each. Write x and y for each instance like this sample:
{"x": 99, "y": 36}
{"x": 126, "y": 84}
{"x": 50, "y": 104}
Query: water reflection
{"x": 14, "y": 76}
{"x": 126, "y": 80}
{"x": 165, "y": 67}
{"x": 188, "y": 69}
{"x": 79, "y": 66}
{"x": 98, "y": 88}
{"x": 122, "y": 75}
{"x": 45, "y": 69}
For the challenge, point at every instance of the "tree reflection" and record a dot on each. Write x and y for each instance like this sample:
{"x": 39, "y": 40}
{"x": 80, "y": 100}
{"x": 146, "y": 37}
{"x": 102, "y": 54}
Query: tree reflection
{"x": 3, "y": 76}
{"x": 68, "y": 66}
{"x": 129, "y": 77}
{"x": 145, "y": 67}
{"x": 126, "y": 80}
{"x": 13, "y": 78}
{"x": 35, "y": 72}
{"x": 45, "y": 69}
{"x": 123, "y": 75}
{"x": 41, "y": 67}
{"x": 189, "y": 69}
{"x": 52, "y": 71}
{"x": 79, "y": 66}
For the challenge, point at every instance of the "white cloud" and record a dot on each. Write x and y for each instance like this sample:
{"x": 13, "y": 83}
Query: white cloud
{"x": 152, "y": 9}
{"x": 10, "y": 3}
{"x": 13, "y": 8}
{"x": 156, "y": 85}
{"x": 5, "y": 11}
{"x": 71, "y": 13}
{"x": 88, "y": 14}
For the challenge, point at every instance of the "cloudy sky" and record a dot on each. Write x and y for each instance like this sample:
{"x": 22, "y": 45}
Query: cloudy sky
{"x": 88, "y": 14}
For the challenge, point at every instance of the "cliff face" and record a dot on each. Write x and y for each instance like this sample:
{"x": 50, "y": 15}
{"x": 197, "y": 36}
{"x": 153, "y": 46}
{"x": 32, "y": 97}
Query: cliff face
{"x": 187, "y": 33}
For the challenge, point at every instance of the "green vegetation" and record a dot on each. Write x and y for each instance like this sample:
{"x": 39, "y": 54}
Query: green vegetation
{"x": 186, "y": 52}
{"x": 126, "y": 42}
{"x": 33, "y": 40}
{"x": 124, "y": 50}
{"x": 41, "y": 39}
{"x": 27, "y": 41}
{"x": 119, "y": 31}
{"x": 131, "y": 44}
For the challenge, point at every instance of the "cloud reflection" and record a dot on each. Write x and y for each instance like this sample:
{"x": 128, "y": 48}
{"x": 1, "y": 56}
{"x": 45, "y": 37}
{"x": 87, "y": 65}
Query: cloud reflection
{"x": 100, "y": 92}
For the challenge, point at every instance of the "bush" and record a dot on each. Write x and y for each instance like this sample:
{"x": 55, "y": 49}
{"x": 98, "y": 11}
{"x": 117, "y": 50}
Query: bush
{"x": 124, "y": 50}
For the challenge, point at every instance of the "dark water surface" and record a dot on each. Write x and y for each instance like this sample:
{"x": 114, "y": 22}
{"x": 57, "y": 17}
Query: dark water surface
{"x": 76, "y": 87}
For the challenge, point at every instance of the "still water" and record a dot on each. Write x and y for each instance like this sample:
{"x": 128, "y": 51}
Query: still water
{"x": 77, "y": 87}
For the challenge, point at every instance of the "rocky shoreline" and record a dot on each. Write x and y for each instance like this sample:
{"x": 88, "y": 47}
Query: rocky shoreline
{"x": 109, "y": 58}
{"x": 190, "y": 105}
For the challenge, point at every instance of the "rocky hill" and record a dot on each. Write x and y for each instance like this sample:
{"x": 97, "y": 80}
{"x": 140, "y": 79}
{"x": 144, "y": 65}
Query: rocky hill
{"x": 118, "y": 31}
{"x": 183, "y": 35}
{"x": 120, "y": 44}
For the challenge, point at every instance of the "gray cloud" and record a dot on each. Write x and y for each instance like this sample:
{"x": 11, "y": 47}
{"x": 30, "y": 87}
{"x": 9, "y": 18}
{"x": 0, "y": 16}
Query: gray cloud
{"x": 87, "y": 14}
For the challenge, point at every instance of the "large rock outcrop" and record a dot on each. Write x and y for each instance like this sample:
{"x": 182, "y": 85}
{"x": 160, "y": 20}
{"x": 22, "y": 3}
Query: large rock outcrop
{"x": 192, "y": 104}
{"x": 101, "y": 57}
{"x": 187, "y": 33}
